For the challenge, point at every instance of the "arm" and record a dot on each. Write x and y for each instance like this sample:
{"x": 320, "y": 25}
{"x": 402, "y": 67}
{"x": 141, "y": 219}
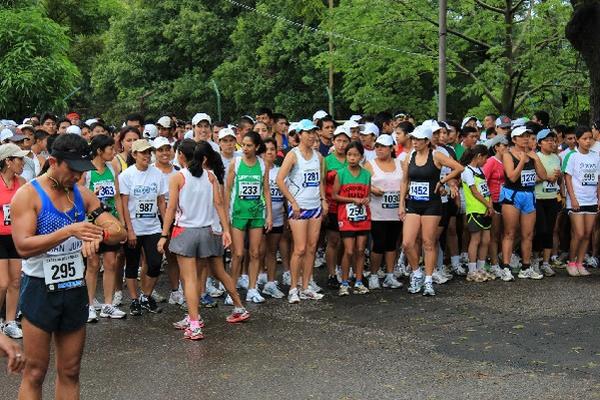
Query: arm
{"x": 175, "y": 183}
{"x": 131, "y": 238}
{"x": 229, "y": 180}
{"x": 118, "y": 203}
{"x": 540, "y": 170}
{"x": 286, "y": 167}
{"x": 571, "y": 192}
{"x": 404, "y": 189}
{"x": 162, "y": 205}
{"x": 374, "y": 190}
{"x": 113, "y": 230}
{"x": 268, "y": 205}
{"x": 442, "y": 159}
{"x": 479, "y": 196}
{"x": 324, "y": 204}
{"x": 220, "y": 206}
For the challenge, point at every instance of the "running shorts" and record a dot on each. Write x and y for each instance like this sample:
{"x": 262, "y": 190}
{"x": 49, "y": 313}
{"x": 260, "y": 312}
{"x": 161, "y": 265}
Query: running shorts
{"x": 385, "y": 235}
{"x": 423, "y": 208}
{"x": 196, "y": 242}
{"x": 522, "y": 200}
{"x": 7, "y": 248}
{"x": 478, "y": 222}
{"x": 243, "y": 224}
{"x": 305, "y": 214}
{"x": 585, "y": 210}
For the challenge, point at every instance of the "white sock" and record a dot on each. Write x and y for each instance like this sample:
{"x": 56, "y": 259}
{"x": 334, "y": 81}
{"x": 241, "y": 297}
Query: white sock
{"x": 495, "y": 266}
{"x": 389, "y": 275}
{"x": 480, "y": 264}
{"x": 455, "y": 261}
{"x": 472, "y": 267}
{"x": 428, "y": 279}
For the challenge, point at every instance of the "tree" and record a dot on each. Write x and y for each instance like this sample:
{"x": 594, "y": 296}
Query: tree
{"x": 35, "y": 71}
{"x": 582, "y": 32}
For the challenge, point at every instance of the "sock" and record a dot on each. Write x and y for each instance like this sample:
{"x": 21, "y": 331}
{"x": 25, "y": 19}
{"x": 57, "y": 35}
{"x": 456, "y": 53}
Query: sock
{"x": 358, "y": 282}
{"x": 345, "y": 283}
{"x": 495, "y": 266}
{"x": 389, "y": 275}
{"x": 480, "y": 264}
{"x": 525, "y": 267}
{"x": 428, "y": 279}
{"x": 455, "y": 261}
{"x": 239, "y": 310}
{"x": 472, "y": 267}
{"x": 545, "y": 264}
{"x": 194, "y": 324}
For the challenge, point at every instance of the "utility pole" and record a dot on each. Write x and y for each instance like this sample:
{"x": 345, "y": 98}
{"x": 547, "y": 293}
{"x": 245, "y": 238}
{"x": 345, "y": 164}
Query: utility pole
{"x": 330, "y": 87}
{"x": 442, "y": 61}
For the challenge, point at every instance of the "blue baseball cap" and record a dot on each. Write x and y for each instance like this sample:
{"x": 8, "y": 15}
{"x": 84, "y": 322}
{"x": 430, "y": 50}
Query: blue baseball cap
{"x": 544, "y": 133}
{"x": 306, "y": 125}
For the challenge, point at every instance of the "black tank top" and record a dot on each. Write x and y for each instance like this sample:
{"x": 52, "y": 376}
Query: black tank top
{"x": 423, "y": 179}
{"x": 526, "y": 182}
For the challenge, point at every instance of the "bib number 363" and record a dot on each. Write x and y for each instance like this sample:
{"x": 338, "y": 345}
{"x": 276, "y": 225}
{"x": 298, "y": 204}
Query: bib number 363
{"x": 64, "y": 272}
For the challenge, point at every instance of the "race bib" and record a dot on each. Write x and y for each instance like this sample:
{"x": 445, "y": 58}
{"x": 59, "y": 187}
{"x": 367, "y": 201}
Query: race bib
{"x": 390, "y": 200}
{"x": 528, "y": 178}
{"x": 6, "y": 211}
{"x": 549, "y": 187}
{"x": 64, "y": 272}
{"x": 145, "y": 209}
{"x": 356, "y": 213}
{"x": 483, "y": 189}
{"x": 419, "y": 191}
{"x": 589, "y": 178}
{"x": 249, "y": 190}
{"x": 104, "y": 189}
{"x": 276, "y": 194}
{"x": 311, "y": 179}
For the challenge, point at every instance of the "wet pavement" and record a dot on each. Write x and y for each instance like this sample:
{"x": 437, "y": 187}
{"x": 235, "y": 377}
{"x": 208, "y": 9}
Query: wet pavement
{"x": 494, "y": 340}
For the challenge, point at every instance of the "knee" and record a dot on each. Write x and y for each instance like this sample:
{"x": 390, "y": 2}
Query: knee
{"x": 429, "y": 245}
{"x": 408, "y": 246}
{"x": 35, "y": 374}
{"x": 300, "y": 251}
{"x": 15, "y": 283}
{"x": 69, "y": 372}
{"x": 349, "y": 253}
{"x": 254, "y": 254}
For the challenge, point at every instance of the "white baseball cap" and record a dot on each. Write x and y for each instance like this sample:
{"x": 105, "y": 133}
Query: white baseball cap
{"x": 467, "y": 119}
{"x": 432, "y": 124}
{"x": 385, "y": 140}
{"x": 350, "y": 124}
{"x": 518, "y": 122}
{"x": 319, "y": 115}
{"x": 520, "y": 130}
{"x": 5, "y": 135}
{"x": 189, "y": 135}
{"x": 355, "y": 117}
{"x": 223, "y": 133}
{"x": 164, "y": 122}
{"x": 341, "y": 130}
{"x": 292, "y": 127}
{"x": 91, "y": 121}
{"x": 150, "y": 131}
{"x": 370, "y": 129}
{"x": 74, "y": 129}
{"x": 160, "y": 142}
{"x": 422, "y": 132}
{"x": 201, "y": 117}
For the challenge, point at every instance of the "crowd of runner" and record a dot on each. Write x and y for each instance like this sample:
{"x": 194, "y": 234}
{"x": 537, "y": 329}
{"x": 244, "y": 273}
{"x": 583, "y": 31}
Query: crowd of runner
{"x": 219, "y": 207}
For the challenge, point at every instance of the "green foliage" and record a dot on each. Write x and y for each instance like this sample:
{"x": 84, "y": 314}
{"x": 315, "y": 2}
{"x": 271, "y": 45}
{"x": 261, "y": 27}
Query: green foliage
{"x": 35, "y": 72}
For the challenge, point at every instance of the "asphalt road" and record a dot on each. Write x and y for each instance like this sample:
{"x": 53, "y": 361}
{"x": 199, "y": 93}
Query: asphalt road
{"x": 495, "y": 340}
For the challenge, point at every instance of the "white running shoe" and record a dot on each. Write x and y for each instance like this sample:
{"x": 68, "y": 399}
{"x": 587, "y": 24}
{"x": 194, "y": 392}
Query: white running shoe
{"x": 96, "y": 304}
{"x": 12, "y": 330}
{"x": 438, "y": 278}
{"x": 459, "y": 270}
{"x": 360, "y": 289}
{"x": 547, "y": 270}
{"x": 416, "y": 283}
{"x": 92, "y": 316}
{"x": 309, "y": 294}
{"x": 344, "y": 290}
{"x": 496, "y": 270}
{"x": 286, "y": 278}
{"x": 529, "y": 273}
{"x": 391, "y": 282}
{"x": 254, "y": 296}
{"x": 590, "y": 261}
{"x": 507, "y": 275}
{"x": 214, "y": 291}
{"x": 319, "y": 258}
{"x": 293, "y": 297}
{"x": 158, "y": 297}
{"x": 515, "y": 261}
{"x": 243, "y": 282}
{"x": 381, "y": 274}
{"x": 271, "y": 289}
{"x": 228, "y": 301}
{"x": 262, "y": 279}
{"x": 314, "y": 287}
{"x": 373, "y": 282}
{"x": 110, "y": 311}
{"x": 176, "y": 297}
{"x": 338, "y": 273}
{"x": 117, "y": 298}
{"x": 428, "y": 289}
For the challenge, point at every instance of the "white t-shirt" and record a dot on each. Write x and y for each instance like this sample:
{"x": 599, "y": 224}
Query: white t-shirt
{"x": 370, "y": 155}
{"x": 584, "y": 170}
{"x": 143, "y": 189}
{"x": 468, "y": 177}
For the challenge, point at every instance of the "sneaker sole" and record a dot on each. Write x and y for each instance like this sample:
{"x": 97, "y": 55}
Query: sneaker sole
{"x": 194, "y": 338}
{"x": 238, "y": 320}
{"x": 92, "y": 321}
{"x": 112, "y": 316}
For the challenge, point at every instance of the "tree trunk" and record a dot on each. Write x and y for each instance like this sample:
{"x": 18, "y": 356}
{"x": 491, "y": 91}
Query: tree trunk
{"x": 584, "y": 34}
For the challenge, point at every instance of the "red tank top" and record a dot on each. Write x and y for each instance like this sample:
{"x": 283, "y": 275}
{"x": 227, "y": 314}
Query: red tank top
{"x": 6, "y": 195}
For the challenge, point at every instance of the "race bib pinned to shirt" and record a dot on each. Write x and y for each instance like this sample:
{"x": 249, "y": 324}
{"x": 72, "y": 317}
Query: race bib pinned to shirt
{"x": 6, "y": 211}
{"x": 550, "y": 187}
{"x": 390, "y": 200}
{"x": 145, "y": 208}
{"x": 249, "y": 190}
{"x": 312, "y": 178}
{"x": 419, "y": 191}
{"x": 589, "y": 178}
{"x": 276, "y": 194}
{"x": 483, "y": 189}
{"x": 356, "y": 213}
{"x": 528, "y": 177}
{"x": 104, "y": 189}
{"x": 63, "y": 272}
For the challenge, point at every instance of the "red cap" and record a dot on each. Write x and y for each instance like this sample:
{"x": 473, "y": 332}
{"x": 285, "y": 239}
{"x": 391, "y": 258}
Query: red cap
{"x": 73, "y": 115}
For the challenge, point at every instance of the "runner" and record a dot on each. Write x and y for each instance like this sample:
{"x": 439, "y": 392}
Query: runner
{"x": 11, "y": 167}
{"x": 581, "y": 180}
{"x": 195, "y": 194}
{"x": 52, "y": 236}
{"x": 421, "y": 207}
{"x": 124, "y": 159}
{"x": 301, "y": 180}
{"x": 351, "y": 190}
{"x": 386, "y": 178}
{"x": 248, "y": 197}
{"x": 367, "y": 137}
{"x": 104, "y": 184}
{"x": 143, "y": 196}
{"x": 521, "y": 169}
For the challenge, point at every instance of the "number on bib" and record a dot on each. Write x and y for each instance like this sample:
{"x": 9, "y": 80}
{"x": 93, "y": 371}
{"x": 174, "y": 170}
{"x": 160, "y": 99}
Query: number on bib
{"x": 589, "y": 178}
{"x": 276, "y": 194}
{"x": 390, "y": 200}
{"x": 145, "y": 209}
{"x": 249, "y": 190}
{"x": 483, "y": 189}
{"x": 104, "y": 189}
{"x": 356, "y": 213}
{"x": 419, "y": 191}
{"x": 528, "y": 177}
{"x": 64, "y": 272}
{"x": 6, "y": 211}
{"x": 311, "y": 178}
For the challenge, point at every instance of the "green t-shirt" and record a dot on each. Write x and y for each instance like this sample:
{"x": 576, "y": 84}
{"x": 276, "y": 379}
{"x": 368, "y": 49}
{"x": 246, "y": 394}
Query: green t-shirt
{"x": 103, "y": 186}
{"x": 548, "y": 190}
{"x": 459, "y": 150}
{"x": 247, "y": 197}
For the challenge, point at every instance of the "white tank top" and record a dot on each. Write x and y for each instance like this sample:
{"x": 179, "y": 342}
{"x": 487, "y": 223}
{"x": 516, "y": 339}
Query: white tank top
{"x": 195, "y": 208}
{"x": 277, "y": 198}
{"x": 304, "y": 182}
{"x": 385, "y": 208}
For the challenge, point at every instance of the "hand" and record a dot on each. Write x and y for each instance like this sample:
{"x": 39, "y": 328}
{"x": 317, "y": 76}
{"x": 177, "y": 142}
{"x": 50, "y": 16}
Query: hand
{"x": 160, "y": 246}
{"x": 86, "y": 231}
{"x": 402, "y": 213}
{"x": 376, "y": 191}
{"x": 295, "y": 210}
{"x": 226, "y": 239}
{"x": 16, "y": 358}
{"x": 90, "y": 248}
{"x": 268, "y": 225}
{"x": 324, "y": 207}
{"x": 131, "y": 239}
{"x": 453, "y": 191}
{"x": 490, "y": 210}
{"x": 532, "y": 155}
{"x": 366, "y": 201}
{"x": 438, "y": 187}
{"x": 574, "y": 205}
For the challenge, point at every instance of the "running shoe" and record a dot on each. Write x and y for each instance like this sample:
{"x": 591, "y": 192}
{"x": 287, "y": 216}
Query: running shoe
{"x": 262, "y": 279}
{"x": 271, "y": 289}
{"x": 428, "y": 289}
{"x": 459, "y": 270}
{"x": 314, "y": 287}
{"x": 475, "y": 277}
{"x": 214, "y": 291}
{"x": 176, "y": 297}
{"x": 149, "y": 304}
{"x": 488, "y": 275}
{"x": 92, "y": 315}
{"x": 96, "y": 304}
{"x": 12, "y": 330}
{"x": 159, "y": 298}
{"x": 590, "y": 261}
{"x": 391, "y": 282}
{"x": 529, "y": 273}
{"x": 110, "y": 311}
{"x": 496, "y": 270}
{"x": 293, "y": 297}
{"x": 572, "y": 269}
{"x": 238, "y": 315}
{"x": 185, "y": 323}
{"x": 228, "y": 301}
{"x": 515, "y": 261}
{"x": 332, "y": 282}
{"x": 319, "y": 258}
{"x": 254, "y": 296}
{"x": 416, "y": 283}
{"x": 582, "y": 270}
{"x": 438, "y": 278}
{"x": 193, "y": 334}
{"x": 338, "y": 273}
{"x": 243, "y": 282}
{"x": 207, "y": 301}
{"x": 309, "y": 294}
{"x": 381, "y": 274}
{"x": 117, "y": 298}
{"x": 360, "y": 289}
{"x": 556, "y": 262}
{"x": 344, "y": 290}
{"x": 444, "y": 272}
{"x": 374, "y": 282}
{"x": 547, "y": 270}
{"x": 135, "y": 308}
{"x": 286, "y": 278}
